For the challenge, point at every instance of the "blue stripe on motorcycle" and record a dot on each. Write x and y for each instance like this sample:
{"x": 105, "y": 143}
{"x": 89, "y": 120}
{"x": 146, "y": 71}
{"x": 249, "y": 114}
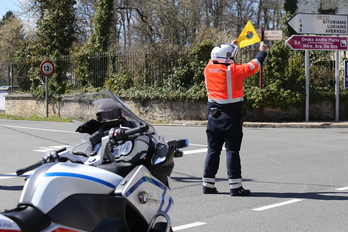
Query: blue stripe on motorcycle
{"x": 85, "y": 177}
{"x": 171, "y": 201}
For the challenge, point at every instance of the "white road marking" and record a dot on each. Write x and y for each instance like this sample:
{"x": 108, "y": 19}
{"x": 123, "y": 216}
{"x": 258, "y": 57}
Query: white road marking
{"x": 44, "y": 149}
{"x": 14, "y": 175}
{"x": 177, "y": 228}
{"x": 198, "y": 145}
{"x": 7, "y": 176}
{"x": 195, "y": 151}
{"x": 278, "y": 204}
{"x": 41, "y": 129}
{"x": 342, "y": 189}
{"x": 203, "y": 150}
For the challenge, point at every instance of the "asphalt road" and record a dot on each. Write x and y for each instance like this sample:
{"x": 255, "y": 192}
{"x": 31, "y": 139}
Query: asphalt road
{"x": 298, "y": 177}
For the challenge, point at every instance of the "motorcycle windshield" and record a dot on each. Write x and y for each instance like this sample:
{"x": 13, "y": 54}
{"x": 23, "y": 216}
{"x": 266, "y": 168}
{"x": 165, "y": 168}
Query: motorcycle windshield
{"x": 108, "y": 106}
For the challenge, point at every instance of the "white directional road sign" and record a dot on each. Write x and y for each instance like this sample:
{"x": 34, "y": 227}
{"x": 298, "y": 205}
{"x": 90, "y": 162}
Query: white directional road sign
{"x": 319, "y": 24}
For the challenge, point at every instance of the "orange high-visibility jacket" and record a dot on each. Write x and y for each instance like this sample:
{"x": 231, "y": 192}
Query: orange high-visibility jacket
{"x": 224, "y": 83}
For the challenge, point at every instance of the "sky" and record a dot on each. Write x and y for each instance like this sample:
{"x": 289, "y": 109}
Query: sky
{"x": 6, "y": 5}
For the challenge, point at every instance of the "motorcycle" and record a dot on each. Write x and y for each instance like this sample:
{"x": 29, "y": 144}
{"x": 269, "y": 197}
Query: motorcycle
{"x": 116, "y": 179}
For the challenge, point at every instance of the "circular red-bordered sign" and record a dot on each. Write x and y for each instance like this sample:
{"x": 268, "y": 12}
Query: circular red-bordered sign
{"x": 47, "y": 68}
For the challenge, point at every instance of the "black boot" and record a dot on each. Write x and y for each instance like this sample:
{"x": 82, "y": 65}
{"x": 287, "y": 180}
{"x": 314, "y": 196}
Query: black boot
{"x": 209, "y": 190}
{"x": 240, "y": 192}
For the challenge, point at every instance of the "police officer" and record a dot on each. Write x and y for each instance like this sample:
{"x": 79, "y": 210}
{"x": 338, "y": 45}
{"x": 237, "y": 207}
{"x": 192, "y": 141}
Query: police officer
{"x": 224, "y": 84}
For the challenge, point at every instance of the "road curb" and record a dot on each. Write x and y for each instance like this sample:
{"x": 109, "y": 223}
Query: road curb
{"x": 340, "y": 124}
{"x": 297, "y": 125}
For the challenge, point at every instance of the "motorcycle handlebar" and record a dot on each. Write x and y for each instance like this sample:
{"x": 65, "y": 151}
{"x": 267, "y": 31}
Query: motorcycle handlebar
{"x": 51, "y": 157}
{"x": 46, "y": 159}
{"x": 60, "y": 150}
{"x": 139, "y": 129}
{"x": 118, "y": 134}
{"x": 29, "y": 168}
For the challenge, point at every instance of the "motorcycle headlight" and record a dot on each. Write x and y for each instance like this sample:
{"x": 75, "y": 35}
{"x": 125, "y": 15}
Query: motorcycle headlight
{"x": 160, "y": 155}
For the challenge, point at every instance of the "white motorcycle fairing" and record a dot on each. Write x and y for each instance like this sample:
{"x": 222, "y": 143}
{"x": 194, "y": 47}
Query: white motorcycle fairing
{"x": 77, "y": 197}
{"x": 50, "y": 184}
{"x": 146, "y": 193}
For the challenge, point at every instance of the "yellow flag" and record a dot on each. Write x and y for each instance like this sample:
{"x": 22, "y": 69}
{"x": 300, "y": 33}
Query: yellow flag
{"x": 248, "y": 36}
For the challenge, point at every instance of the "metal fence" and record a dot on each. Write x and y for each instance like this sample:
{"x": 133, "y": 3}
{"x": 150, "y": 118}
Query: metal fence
{"x": 137, "y": 64}
{"x": 147, "y": 66}
{"x": 5, "y": 74}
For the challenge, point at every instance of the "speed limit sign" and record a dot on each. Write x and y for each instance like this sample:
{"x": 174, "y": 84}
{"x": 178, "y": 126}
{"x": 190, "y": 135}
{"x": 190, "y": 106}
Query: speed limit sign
{"x": 47, "y": 68}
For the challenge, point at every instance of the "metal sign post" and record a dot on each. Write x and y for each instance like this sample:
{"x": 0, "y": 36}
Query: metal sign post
{"x": 307, "y": 73}
{"x": 330, "y": 43}
{"x": 337, "y": 85}
{"x": 346, "y": 74}
{"x": 319, "y": 24}
{"x": 46, "y": 69}
{"x": 261, "y": 77}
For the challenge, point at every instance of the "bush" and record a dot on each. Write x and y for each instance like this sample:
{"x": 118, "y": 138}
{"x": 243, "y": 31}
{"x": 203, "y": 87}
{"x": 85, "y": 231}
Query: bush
{"x": 283, "y": 80}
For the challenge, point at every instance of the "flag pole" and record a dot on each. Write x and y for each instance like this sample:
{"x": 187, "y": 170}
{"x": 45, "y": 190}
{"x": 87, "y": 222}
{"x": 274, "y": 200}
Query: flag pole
{"x": 261, "y": 77}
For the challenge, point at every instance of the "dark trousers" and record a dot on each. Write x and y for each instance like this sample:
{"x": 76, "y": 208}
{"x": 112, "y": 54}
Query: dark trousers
{"x": 220, "y": 130}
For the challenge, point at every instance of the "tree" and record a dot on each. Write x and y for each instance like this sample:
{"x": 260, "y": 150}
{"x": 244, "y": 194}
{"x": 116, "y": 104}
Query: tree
{"x": 165, "y": 29}
{"x": 102, "y": 21}
{"x": 98, "y": 42}
{"x": 7, "y": 16}
{"x": 54, "y": 37}
{"x": 270, "y": 14}
{"x": 11, "y": 37}
{"x": 290, "y": 7}
{"x": 55, "y": 27}
{"x": 84, "y": 15}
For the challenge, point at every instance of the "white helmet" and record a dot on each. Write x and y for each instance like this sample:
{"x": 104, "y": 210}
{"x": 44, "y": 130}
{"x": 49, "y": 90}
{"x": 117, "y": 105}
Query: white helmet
{"x": 224, "y": 53}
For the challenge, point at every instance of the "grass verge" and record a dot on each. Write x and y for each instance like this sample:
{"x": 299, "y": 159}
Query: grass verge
{"x": 35, "y": 118}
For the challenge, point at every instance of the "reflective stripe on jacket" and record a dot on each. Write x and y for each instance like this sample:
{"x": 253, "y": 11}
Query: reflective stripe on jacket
{"x": 224, "y": 83}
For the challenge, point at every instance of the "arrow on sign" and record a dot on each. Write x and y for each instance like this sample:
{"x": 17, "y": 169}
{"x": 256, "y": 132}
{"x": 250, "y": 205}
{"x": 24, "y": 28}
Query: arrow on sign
{"x": 303, "y": 42}
{"x": 319, "y": 24}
